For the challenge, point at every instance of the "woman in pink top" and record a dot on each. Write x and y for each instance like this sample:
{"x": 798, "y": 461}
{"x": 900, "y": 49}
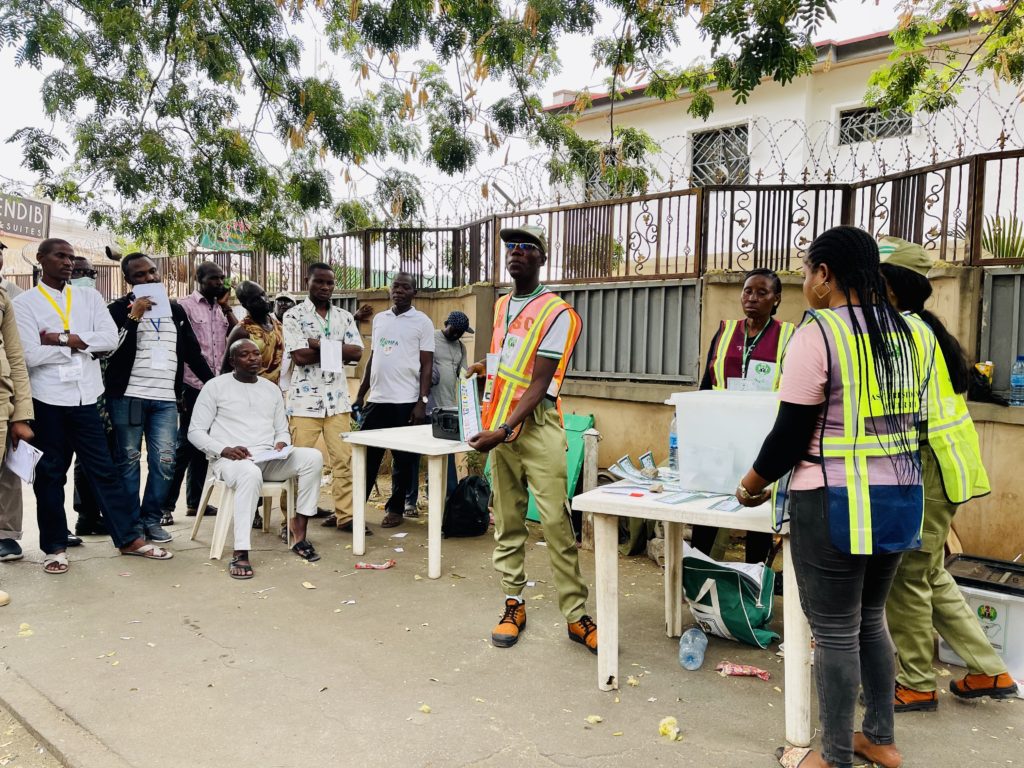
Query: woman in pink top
{"x": 852, "y": 378}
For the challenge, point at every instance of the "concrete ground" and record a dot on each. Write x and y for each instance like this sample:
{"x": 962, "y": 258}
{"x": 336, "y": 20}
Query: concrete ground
{"x": 125, "y": 662}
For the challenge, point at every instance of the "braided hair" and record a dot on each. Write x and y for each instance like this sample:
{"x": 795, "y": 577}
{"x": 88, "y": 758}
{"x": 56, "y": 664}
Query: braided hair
{"x": 852, "y": 256}
{"x": 912, "y": 291}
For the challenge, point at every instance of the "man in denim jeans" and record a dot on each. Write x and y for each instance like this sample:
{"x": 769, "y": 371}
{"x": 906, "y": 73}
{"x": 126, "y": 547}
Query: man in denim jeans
{"x": 143, "y": 383}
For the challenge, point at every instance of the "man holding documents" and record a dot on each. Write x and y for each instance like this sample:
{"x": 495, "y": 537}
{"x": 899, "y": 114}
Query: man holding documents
{"x": 320, "y": 339}
{"x": 144, "y": 384}
{"x": 62, "y": 327}
{"x": 239, "y": 423}
{"x": 15, "y": 413}
{"x": 534, "y": 335}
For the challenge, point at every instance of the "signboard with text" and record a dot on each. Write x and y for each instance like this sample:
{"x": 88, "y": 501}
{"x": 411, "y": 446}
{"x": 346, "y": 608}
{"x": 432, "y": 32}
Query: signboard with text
{"x": 21, "y": 217}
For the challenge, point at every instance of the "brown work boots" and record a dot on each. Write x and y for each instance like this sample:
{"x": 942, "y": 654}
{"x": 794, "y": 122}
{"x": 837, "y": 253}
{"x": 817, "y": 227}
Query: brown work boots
{"x": 971, "y": 686}
{"x": 1000, "y": 686}
{"x": 512, "y": 622}
{"x": 584, "y": 632}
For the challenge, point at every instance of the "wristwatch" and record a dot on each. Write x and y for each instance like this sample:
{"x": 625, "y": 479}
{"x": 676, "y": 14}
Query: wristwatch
{"x": 63, "y": 339}
{"x": 424, "y": 399}
{"x": 508, "y": 430}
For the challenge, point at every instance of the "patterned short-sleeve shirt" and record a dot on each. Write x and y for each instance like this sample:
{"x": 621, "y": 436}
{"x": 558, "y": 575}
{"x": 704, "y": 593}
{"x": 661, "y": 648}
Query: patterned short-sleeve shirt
{"x": 315, "y": 393}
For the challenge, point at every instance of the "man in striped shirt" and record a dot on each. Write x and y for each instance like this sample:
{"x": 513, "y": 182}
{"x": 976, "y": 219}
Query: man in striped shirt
{"x": 143, "y": 383}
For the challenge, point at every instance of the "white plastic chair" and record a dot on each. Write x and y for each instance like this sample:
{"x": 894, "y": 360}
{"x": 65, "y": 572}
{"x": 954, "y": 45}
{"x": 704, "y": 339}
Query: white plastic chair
{"x": 226, "y": 509}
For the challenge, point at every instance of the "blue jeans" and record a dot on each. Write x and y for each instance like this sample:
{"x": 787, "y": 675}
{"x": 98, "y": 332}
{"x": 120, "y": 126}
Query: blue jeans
{"x": 132, "y": 418}
{"x": 64, "y": 430}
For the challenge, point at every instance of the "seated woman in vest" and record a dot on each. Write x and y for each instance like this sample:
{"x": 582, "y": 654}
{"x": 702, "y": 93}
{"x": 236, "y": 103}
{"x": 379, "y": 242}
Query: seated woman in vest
{"x": 924, "y": 595}
{"x": 847, "y": 432}
{"x": 751, "y": 350}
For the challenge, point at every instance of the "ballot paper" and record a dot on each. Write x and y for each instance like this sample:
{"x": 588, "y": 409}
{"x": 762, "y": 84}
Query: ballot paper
{"x": 469, "y": 409}
{"x": 157, "y": 292}
{"x": 331, "y": 360}
{"x": 23, "y": 459}
{"x": 272, "y": 455}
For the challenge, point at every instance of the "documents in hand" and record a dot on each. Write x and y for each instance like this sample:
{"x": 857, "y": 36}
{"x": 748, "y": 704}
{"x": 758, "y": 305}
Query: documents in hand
{"x": 272, "y": 455}
{"x": 331, "y": 359}
{"x": 157, "y": 293}
{"x": 470, "y": 423}
{"x": 22, "y": 461}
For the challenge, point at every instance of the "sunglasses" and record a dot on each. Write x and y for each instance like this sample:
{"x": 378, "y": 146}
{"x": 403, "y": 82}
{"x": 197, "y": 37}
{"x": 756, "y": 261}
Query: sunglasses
{"x": 84, "y": 273}
{"x": 521, "y": 246}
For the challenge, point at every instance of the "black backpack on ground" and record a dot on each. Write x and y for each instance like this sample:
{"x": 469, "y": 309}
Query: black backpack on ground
{"x": 465, "y": 512}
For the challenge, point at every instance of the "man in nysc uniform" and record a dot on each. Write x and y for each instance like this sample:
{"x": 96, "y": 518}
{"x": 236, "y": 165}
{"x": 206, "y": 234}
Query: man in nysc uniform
{"x": 534, "y": 334}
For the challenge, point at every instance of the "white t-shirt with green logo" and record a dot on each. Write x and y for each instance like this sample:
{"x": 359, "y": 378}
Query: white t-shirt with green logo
{"x": 396, "y": 342}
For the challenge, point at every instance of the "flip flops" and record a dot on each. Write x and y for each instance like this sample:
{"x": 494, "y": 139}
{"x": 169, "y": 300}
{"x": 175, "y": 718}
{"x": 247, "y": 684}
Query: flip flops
{"x": 149, "y": 551}
{"x": 243, "y": 564}
{"x": 391, "y": 520}
{"x": 792, "y": 757}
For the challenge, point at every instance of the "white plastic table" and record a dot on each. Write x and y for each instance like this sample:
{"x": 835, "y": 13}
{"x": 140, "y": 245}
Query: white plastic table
{"x": 419, "y": 440}
{"x": 608, "y": 507}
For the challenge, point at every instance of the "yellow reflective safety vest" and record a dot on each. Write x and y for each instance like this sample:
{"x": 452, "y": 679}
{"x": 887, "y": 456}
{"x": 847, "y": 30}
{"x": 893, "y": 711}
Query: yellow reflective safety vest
{"x": 873, "y": 482}
{"x": 728, "y": 361}
{"x": 950, "y": 432}
{"x": 517, "y": 341}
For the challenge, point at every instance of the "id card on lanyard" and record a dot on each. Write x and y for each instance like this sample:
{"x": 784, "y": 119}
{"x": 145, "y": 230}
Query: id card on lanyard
{"x": 73, "y": 371}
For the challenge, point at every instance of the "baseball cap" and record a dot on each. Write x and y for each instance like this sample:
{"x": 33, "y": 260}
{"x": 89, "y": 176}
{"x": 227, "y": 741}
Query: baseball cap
{"x": 283, "y": 295}
{"x": 459, "y": 321}
{"x": 901, "y": 253}
{"x": 528, "y": 233}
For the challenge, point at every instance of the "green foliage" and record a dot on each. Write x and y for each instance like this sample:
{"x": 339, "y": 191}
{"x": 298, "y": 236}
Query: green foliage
{"x": 616, "y": 169}
{"x": 926, "y": 76}
{"x": 1003, "y": 236}
{"x": 167, "y": 101}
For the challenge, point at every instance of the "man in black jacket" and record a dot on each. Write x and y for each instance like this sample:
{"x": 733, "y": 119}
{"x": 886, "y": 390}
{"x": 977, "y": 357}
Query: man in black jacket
{"x": 143, "y": 385}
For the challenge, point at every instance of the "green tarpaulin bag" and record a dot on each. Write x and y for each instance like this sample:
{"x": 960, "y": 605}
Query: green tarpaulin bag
{"x": 730, "y": 600}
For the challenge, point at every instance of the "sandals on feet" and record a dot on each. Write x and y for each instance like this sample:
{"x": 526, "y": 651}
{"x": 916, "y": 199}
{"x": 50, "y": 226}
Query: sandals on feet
{"x": 243, "y": 565}
{"x": 150, "y": 552}
{"x": 792, "y": 757}
{"x": 391, "y": 520}
{"x": 59, "y": 563}
{"x": 305, "y": 550}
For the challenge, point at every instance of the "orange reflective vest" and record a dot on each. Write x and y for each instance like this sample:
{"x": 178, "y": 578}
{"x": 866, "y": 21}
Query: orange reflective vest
{"x": 517, "y": 340}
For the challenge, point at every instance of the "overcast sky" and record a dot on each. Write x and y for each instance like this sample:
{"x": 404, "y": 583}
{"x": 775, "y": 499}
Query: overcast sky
{"x": 24, "y": 108}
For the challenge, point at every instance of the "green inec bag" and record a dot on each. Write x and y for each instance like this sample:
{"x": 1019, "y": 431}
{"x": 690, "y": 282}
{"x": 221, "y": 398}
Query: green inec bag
{"x": 730, "y": 600}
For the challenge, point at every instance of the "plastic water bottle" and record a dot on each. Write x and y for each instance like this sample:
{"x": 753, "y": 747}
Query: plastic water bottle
{"x": 673, "y": 446}
{"x": 1017, "y": 382}
{"x": 692, "y": 645}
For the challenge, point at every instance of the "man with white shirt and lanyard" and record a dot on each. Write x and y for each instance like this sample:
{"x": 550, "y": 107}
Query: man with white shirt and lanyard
{"x": 143, "y": 384}
{"x": 62, "y": 327}
{"x": 533, "y": 337}
{"x": 396, "y": 384}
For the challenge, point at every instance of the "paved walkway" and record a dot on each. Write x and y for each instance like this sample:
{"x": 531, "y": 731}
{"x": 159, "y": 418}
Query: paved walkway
{"x": 126, "y": 662}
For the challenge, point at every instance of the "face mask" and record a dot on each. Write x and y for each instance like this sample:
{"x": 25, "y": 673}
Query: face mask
{"x": 83, "y": 282}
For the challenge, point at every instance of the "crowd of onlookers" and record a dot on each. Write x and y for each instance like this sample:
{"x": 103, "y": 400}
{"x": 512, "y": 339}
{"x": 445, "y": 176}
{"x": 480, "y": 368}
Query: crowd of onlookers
{"x": 212, "y": 396}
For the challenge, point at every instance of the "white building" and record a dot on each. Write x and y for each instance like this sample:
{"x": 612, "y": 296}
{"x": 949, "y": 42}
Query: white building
{"x": 818, "y": 125}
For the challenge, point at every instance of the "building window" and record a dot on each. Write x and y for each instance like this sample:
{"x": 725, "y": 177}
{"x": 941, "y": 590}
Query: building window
{"x": 871, "y": 124}
{"x": 721, "y": 156}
